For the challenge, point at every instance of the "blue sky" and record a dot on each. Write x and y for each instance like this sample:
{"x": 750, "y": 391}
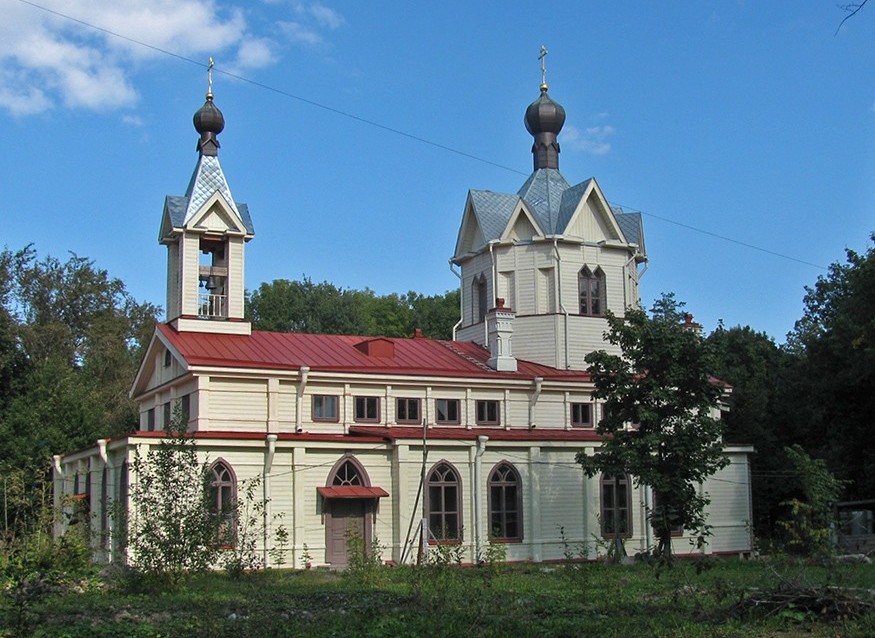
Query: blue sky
{"x": 753, "y": 121}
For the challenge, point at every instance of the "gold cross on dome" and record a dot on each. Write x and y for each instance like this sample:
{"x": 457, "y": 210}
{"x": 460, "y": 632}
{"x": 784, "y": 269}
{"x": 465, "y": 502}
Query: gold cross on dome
{"x": 543, "y": 59}
{"x": 210, "y": 78}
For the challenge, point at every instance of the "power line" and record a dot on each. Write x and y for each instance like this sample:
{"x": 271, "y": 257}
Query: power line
{"x": 390, "y": 129}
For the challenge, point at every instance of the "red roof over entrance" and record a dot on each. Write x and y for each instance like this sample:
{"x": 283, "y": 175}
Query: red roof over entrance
{"x": 352, "y": 491}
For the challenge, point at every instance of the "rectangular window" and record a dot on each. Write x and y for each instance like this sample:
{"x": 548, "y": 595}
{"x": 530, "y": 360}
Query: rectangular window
{"x": 150, "y": 419}
{"x": 663, "y": 513}
{"x": 446, "y": 411}
{"x": 407, "y": 411}
{"x": 367, "y": 409}
{"x": 581, "y": 415}
{"x": 487, "y": 412}
{"x": 325, "y": 408}
{"x": 166, "y": 423}
{"x": 185, "y": 408}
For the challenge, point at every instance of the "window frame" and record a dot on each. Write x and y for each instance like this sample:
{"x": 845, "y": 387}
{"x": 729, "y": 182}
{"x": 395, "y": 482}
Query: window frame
{"x": 578, "y": 423}
{"x": 322, "y": 397}
{"x": 447, "y": 421}
{"x": 365, "y": 401}
{"x": 500, "y": 510}
{"x": 479, "y": 299}
{"x": 614, "y": 507}
{"x": 225, "y": 538}
{"x": 589, "y": 304}
{"x": 150, "y": 419}
{"x": 407, "y": 402}
{"x": 438, "y": 534}
{"x": 485, "y": 404}
{"x": 676, "y": 531}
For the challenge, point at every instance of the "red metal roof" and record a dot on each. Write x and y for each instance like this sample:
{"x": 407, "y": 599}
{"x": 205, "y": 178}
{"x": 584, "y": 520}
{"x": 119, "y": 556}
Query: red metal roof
{"x": 292, "y": 350}
{"x": 352, "y": 491}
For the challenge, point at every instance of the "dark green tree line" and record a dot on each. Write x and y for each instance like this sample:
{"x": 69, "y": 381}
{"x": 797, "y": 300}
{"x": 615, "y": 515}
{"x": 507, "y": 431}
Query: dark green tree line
{"x": 323, "y": 308}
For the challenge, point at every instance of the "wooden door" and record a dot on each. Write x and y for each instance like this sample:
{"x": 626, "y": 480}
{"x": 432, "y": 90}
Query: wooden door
{"x": 346, "y": 517}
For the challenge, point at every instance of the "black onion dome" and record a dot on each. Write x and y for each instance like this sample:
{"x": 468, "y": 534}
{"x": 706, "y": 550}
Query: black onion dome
{"x": 544, "y": 115}
{"x": 209, "y": 119}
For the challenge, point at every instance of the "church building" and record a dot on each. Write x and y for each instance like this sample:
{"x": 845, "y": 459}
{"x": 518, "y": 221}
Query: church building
{"x": 472, "y": 439}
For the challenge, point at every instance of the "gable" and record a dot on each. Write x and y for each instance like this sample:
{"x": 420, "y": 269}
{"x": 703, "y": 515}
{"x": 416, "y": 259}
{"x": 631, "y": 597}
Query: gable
{"x": 593, "y": 219}
{"x": 522, "y": 226}
{"x": 470, "y": 234}
{"x": 217, "y": 215}
{"x": 150, "y": 373}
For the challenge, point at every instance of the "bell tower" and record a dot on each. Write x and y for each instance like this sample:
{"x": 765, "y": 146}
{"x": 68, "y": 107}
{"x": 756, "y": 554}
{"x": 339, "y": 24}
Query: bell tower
{"x": 205, "y": 232}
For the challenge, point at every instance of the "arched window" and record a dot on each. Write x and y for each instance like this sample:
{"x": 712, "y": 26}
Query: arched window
{"x": 444, "y": 503}
{"x": 348, "y": 471}
{"x": 223, "y": 502}
{"x": 592, "y": 292}
{"x": 505, "y": 504}
{"x": 616, "y": 506}
{"x": 479, "y": 298}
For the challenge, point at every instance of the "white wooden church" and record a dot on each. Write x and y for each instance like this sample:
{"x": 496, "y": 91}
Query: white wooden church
{"x": 343, "y": 429}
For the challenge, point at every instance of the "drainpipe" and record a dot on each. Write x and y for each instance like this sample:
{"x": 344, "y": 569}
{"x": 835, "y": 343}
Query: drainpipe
{"x": 559, "y": 296}
{"x": 461, "y": 293}
{"x": 537, "y": 382}
{"x": 268, "y": 466}
{"x": 478, "y": 522}
{"x": 104, "y": 499}
{"x": 302, "y": 385}
{"x": 648, "y": 509}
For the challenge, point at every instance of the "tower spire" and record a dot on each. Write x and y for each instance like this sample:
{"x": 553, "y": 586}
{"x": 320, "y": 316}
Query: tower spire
{"x": 208, "y": 120}
{"x": 544, "y": 119}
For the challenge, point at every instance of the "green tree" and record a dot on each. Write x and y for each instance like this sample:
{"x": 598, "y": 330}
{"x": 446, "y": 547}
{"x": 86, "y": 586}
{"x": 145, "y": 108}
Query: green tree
{"x": 764, "y": 412}
{"x": 835, "y": 340}
{"x": 303, "y": 306}
{"x": 171, "y": 531}
{"x": 658, "y": 396}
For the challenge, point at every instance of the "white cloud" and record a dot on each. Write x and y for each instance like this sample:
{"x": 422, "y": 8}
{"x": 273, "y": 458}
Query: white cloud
{"x": 49, "y": 60}
{"x": 592, "y": 140}
{"x": 310, "y": 22}
{"x": 133, "y": 120}
{"x": 297, "y": 33}
{"x": 325, "y": 16}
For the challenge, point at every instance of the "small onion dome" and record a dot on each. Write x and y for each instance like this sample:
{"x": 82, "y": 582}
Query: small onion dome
{"x": 209, "y": 119}
{"x": 544, "y": 115}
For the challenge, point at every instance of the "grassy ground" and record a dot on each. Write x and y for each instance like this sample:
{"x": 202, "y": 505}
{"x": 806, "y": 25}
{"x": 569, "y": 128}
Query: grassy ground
{"x": 523, "y": 600}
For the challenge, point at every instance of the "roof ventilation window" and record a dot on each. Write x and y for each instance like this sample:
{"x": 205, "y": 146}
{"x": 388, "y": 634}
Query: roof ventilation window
{"x": 380, "y": 347}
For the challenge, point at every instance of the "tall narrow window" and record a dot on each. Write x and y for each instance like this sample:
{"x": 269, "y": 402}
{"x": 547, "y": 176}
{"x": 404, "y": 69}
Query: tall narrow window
{"x": 222, "y": 501}
{"x": 592, "y": 292}
{"x": 505, "y": 504}
{"x": 479, "y": 298}
{"x": 616, "y": 507}
{"x": 581, "y": 415}
{"x": 662, "y": 513}
{"x": 444, "y": 506}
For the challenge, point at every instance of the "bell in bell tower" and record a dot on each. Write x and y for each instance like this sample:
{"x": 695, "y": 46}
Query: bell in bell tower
{"x": 205, "y": 232}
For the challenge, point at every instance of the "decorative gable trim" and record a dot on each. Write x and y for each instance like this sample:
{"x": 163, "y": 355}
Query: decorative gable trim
{"x": 217, "y": 215}
{"x": 470, "y": 234}
{"x": 157, "y": 344}
{"x": 606, "y": 219}
{"x": 523, "y": 224}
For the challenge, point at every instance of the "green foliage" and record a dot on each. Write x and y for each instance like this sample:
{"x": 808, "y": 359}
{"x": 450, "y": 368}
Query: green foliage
{"x": 365, "y": 559}
{"x": 808, "y": 523}
{"x": 171, "y": 532}
{"x": 304, "y": 306}
{"x": 836, "y": 341}
{"x": 662, "y": 383}
{"x": 281, "y": 544}
{"x": 249, "y": 519}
